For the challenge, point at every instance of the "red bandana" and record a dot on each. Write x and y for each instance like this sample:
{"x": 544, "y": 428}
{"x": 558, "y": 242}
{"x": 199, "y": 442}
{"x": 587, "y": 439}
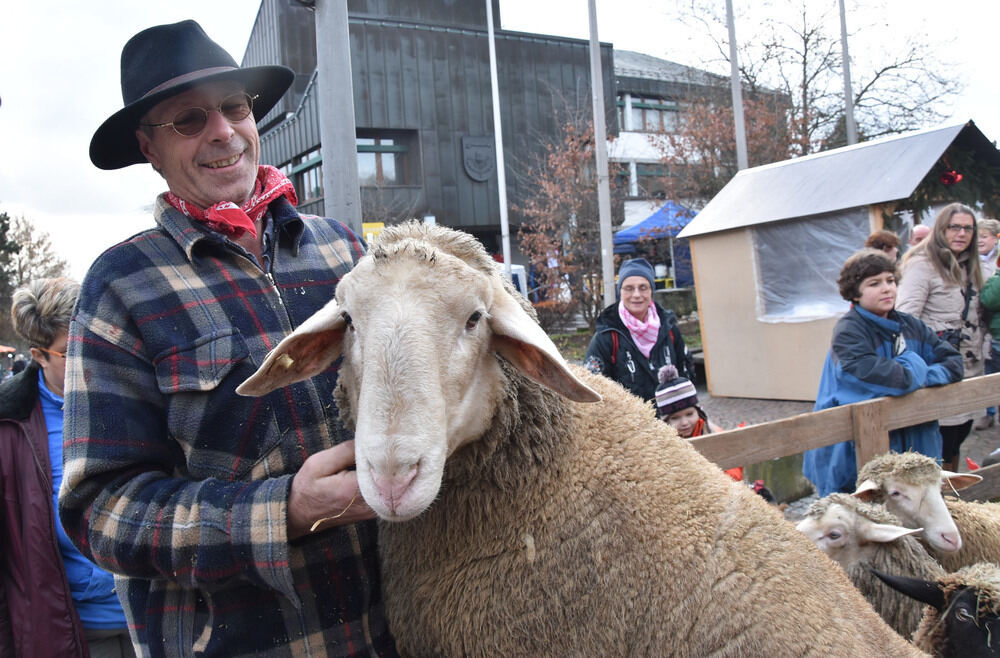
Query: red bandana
{"x": 232, "y": 220}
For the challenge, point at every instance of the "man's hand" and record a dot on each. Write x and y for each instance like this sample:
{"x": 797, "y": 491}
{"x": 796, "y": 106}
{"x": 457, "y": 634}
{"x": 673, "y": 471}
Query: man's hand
{"x": 324, "y": 489}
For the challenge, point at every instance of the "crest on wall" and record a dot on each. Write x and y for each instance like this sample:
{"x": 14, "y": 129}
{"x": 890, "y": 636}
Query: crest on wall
{"x": 478, "y": 157}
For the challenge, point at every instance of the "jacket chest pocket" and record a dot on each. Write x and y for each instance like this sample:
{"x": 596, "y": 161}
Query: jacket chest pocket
{"x": 221, "y": 433}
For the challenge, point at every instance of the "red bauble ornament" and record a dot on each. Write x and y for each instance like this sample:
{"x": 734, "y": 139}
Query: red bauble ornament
{"x": 950, "y": 177}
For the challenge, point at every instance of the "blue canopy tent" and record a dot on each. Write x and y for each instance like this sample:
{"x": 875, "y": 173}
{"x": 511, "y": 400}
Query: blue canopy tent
{"x": 665, "y": 223}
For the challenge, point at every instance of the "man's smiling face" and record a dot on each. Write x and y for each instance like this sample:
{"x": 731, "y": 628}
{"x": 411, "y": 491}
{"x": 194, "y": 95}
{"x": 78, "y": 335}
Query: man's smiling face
{"x": 218, "y": 164}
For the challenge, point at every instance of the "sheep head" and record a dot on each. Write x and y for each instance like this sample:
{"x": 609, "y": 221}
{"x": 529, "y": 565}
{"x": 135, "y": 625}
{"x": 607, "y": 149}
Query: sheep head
{"x": 964, "y": 617}
{"x": 419, "y": 322}
{"x": 848, "y": 530}
{"x": 909, "y": 485}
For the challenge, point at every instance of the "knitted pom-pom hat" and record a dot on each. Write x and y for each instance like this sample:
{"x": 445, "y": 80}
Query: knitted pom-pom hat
{"x": 674, "y": 393}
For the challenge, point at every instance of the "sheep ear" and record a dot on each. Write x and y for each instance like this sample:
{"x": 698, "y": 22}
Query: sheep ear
{"x": 306, "y": 352}
{"x": 883, "y": 533}
{"x": 925, "y": 591}
{"x": 958, "y": 481}
{"x": 866, "y": 490}
{"x": 519, "y": 339}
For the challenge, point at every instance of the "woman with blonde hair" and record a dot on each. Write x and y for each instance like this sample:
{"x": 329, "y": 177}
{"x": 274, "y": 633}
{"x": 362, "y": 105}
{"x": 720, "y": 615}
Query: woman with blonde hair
{"x": 940, "y": 286}
{"x": 53, "y": 601}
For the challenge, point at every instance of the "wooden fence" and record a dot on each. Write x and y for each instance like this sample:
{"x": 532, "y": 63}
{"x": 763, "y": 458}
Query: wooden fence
{"x": 866, "y": 423}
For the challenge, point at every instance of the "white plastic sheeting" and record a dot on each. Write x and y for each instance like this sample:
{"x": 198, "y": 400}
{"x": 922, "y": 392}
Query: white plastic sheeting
{"x": 798, "y": 262}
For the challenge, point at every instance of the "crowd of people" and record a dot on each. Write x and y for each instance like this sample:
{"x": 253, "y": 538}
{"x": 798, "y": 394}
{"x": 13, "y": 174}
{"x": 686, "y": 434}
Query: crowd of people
{"x": 924, "y": 320}
{"x": 927, "y": 323}
{"x": 233, "y": 525}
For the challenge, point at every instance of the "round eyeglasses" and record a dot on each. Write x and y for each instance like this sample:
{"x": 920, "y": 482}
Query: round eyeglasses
{"x": 192, "y": 120}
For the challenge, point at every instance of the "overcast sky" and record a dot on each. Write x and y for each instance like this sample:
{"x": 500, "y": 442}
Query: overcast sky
{"x": 59, "y": 79}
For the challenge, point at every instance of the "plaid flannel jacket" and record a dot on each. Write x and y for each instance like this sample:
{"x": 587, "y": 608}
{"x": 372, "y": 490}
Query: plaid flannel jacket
{"x": 179, "y": 485}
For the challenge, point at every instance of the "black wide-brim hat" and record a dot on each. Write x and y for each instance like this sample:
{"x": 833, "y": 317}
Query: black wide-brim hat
{"x": 163, "y": 61}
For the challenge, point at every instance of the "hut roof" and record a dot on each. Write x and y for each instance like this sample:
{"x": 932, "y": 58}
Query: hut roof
{"x": 878, "y": 171}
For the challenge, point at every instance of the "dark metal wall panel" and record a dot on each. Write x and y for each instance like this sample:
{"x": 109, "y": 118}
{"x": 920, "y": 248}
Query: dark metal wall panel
{"x": 672, "y": 90}
{"x": 295, "y": 136}
{"x": 459, "y": 13}
{"x": 435, "y": 78}
{"x": 284, "y": 33}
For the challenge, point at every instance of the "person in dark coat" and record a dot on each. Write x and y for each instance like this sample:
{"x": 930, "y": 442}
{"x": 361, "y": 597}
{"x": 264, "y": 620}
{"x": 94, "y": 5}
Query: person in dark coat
{"x": 636, "y": 337}
{"x": 53, "y": 601}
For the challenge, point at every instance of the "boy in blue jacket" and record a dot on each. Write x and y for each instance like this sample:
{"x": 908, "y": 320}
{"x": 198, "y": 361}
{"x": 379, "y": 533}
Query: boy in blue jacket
{"x": 877, "y": 351}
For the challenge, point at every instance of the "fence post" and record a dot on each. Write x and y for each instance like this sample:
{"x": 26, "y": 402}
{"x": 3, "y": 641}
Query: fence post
{"x": 871, "y": 434}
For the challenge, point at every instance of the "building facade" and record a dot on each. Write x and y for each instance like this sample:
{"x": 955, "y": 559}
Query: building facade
{"x": 423, "y": 106}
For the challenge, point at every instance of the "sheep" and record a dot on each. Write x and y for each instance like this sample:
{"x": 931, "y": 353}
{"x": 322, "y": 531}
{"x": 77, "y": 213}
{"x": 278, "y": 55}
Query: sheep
{"x": 962, "y": 616}
{"x": 860, "y": 536}
{"x": 529, "y": 507}
{"x": 958, "y": 533}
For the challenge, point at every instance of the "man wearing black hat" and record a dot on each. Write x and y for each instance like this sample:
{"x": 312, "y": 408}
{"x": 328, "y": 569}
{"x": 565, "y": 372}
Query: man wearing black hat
{"x": 235, "y": 522}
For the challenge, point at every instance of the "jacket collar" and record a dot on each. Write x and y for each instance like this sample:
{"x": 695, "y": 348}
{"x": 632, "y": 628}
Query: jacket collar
{"x": 19, "y": 394}
{"x": 890, "y": 323}
{"x": 189, "y": 233}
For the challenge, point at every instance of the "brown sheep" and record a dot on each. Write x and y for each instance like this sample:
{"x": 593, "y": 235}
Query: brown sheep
{"x": 530, "y": 508}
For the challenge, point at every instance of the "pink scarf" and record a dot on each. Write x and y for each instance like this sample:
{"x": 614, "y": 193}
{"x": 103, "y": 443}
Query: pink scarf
{"x": 233, "y": 220}
{"x": 643, "y": 333}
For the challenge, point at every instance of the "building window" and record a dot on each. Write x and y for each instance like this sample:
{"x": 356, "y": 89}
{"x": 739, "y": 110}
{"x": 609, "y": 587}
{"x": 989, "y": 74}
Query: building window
{"x": 796, "y": 281}
{"x": 646, "y": 114}
{"x": 651, "y": 180}
{"x": 387, "y": 157}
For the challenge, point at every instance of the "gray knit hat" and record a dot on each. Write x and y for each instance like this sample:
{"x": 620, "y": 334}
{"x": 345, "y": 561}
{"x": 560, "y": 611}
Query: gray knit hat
{"x": 635, "y": 267}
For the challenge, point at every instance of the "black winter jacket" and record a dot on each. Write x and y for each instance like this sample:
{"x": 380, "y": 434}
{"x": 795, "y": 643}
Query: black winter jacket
{"x": 614, "y": 354}
{"x": 37, "y": 614}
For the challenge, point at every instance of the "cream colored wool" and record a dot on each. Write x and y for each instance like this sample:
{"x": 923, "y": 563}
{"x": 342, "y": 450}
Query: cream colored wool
{"x": 978, "y": 523}
{"x": 560, "y": 528}
{"x": 903, "y": 556}
{"x": 586, "y": 530}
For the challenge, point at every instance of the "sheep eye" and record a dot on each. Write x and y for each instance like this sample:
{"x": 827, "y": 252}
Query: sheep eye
{"x": 834, "y": 535}
{"x": 895, "y": 494}
{"x": 963, "y": 614}
{"x": 473, "y": 320}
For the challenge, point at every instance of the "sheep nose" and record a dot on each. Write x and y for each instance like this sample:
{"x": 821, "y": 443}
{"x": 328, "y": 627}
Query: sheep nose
{"x": 393, "y": 484}
{"x": 952, "y": 539}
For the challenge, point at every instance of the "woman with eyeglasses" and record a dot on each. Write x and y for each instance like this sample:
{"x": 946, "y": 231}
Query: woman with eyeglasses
{"x": 941, "y": 285}
{"x": 636, "y": 337}
{"x": 53, "y": 601}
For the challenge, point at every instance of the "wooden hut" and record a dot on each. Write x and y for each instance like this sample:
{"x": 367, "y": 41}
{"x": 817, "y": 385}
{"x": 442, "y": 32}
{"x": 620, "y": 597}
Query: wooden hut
{"x": 768, "y": 247}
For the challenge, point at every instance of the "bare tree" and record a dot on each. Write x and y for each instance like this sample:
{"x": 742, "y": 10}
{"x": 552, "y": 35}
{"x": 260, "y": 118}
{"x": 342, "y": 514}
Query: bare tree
{"x": 25, "y": 254}
{"x": 35, "y": 257}
{"x": 700, "y": 158}
{"x": 560, "y": 234}
{"x": 792, "y": 46}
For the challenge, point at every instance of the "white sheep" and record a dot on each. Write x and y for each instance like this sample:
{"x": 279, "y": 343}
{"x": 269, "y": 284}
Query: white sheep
{"x": 860, "y": 537}
{"x": 958, "y": 533}
{"x": 962, "y": 615}
{"x": 518, "y": 520}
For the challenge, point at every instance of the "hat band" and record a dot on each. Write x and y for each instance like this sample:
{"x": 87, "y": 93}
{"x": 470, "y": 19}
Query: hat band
{"x": 187, "y": 77}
